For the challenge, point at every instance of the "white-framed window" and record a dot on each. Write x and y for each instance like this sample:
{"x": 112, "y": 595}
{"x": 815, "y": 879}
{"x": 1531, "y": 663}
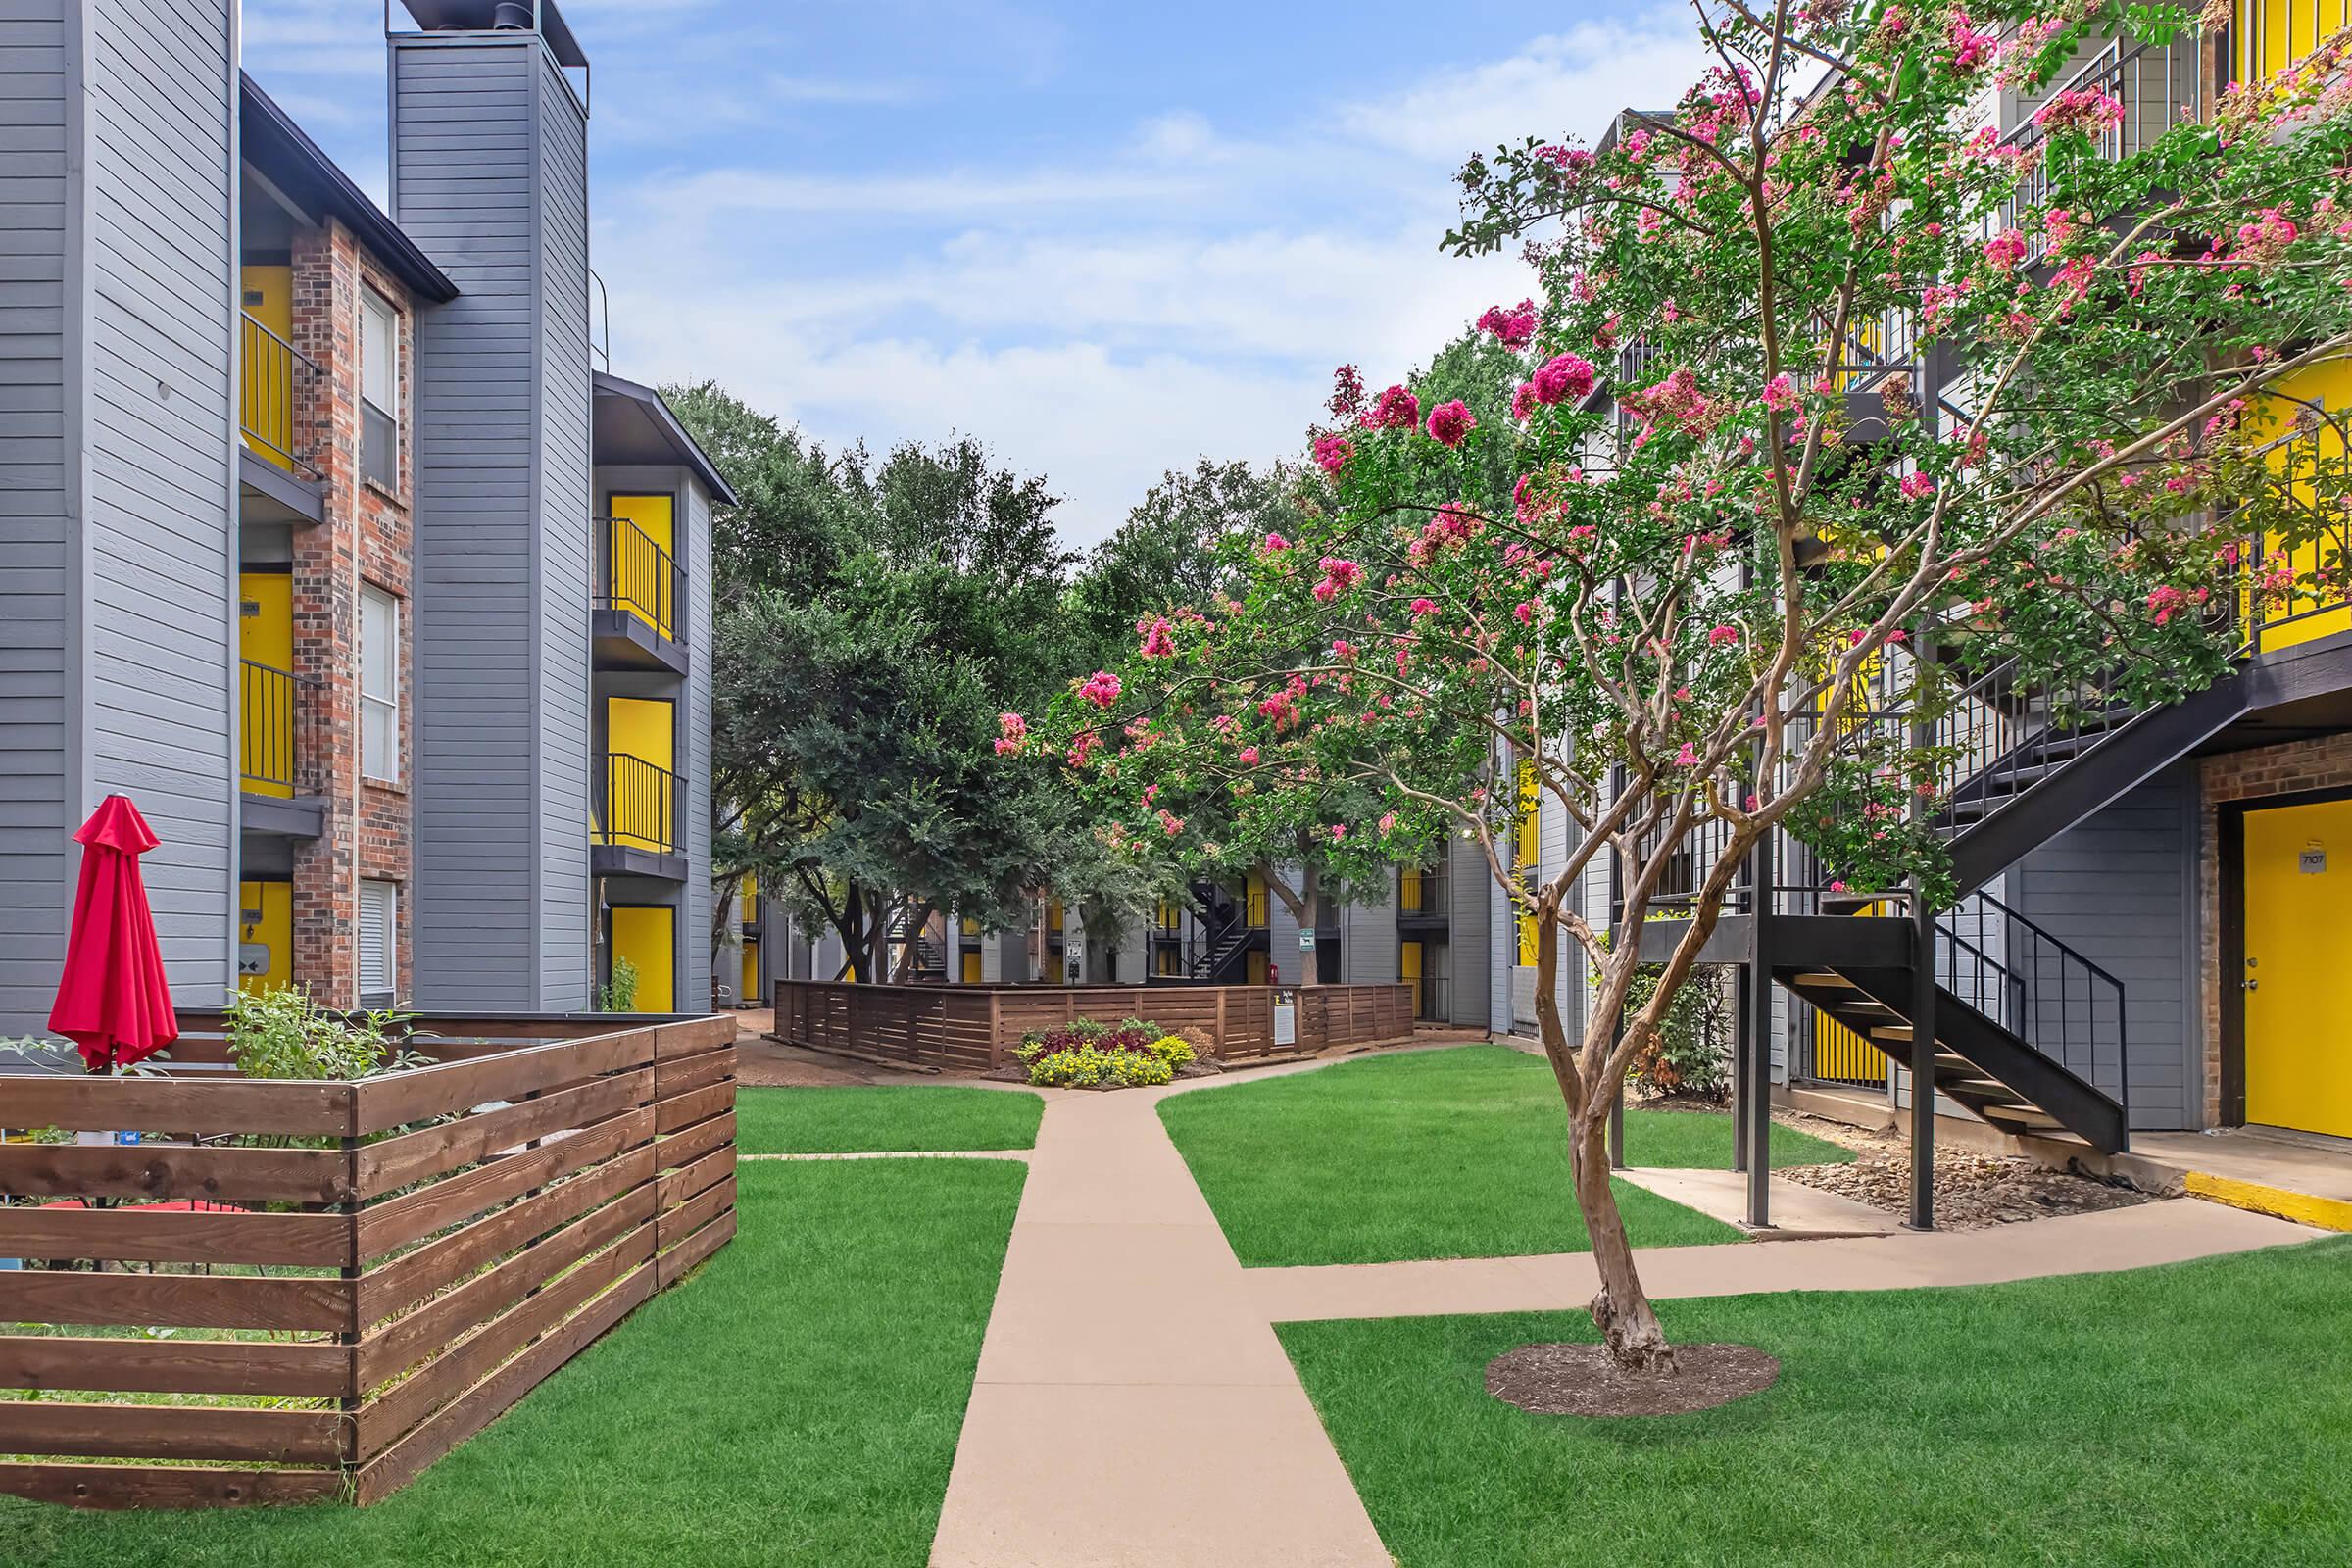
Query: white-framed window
{"x": 380, "y": 924}
{"x": 379, "y": 390}
{"x": 379, "y": 685}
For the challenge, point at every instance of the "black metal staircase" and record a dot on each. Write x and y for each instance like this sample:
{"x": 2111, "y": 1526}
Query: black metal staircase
{"x": 2031, "y": 1036}
{"x": 1221, "y": 955}
{"x": 920, "y": 957}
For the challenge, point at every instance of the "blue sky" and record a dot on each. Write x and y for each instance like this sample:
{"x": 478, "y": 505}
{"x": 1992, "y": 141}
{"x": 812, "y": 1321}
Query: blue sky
{"x": 1107, "y": 239}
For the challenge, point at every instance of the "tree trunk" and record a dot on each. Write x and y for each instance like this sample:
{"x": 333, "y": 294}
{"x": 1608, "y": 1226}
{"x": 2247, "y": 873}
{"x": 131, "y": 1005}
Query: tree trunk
{"x": 1629, "y": 1326}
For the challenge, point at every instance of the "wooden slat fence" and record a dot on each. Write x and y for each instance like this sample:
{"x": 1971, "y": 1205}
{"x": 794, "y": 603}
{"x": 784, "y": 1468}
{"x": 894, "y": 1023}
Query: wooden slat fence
{"x": 425, "y": 1248}
{"x": 969, "y": 1028}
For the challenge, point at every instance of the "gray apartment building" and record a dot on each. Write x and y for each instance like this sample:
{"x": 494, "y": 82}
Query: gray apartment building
{"x": 327, "y": 537}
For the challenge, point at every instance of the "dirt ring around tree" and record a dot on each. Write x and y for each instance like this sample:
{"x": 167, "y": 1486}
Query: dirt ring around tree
{"x": 1568, "y": 1379}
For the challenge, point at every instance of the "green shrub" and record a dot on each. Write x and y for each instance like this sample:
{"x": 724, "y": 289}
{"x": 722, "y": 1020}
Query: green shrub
{"x": 618, "y": 994}
{"x": 285, "y": 1034}
{"x": 1692, "y": 1054}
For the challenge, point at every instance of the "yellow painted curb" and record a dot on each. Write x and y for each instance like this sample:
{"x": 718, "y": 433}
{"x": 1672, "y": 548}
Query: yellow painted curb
{"x": 2327, "y": 1213}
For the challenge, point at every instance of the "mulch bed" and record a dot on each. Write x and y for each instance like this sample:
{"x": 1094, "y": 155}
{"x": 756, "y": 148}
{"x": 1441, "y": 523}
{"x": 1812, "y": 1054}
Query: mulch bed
{"x": 1581, "y": 1380}
{"x": 1973, "y": 1191}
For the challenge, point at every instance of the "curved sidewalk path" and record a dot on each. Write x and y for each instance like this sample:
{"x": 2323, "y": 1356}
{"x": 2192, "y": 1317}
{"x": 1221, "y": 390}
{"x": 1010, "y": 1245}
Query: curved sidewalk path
{"x": 1132, "y": 1408}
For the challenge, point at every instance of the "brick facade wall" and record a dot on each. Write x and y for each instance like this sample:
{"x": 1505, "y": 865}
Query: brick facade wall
{"x": 2323, "y": 763}
{"x": 366, "y": 540}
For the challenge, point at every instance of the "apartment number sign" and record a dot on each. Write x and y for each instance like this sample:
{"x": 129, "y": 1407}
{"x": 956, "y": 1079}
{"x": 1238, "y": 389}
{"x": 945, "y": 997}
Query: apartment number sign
{"x": 2313, "y": 862}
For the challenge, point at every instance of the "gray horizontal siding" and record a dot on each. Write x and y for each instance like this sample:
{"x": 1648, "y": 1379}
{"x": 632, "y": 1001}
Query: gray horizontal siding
{"x": 1470, "y": 928}
{"x": 38, "y": 572}
{"x": 157, "y": 708}
{"x": 2120, "y": 890}
{"x": 565, "y": 566}
{"x": 461, "y": 124}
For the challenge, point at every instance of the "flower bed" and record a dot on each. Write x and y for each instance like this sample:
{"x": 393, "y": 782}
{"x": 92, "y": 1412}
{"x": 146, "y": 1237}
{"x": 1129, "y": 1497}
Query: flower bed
{"x": 1129, "y": 1054}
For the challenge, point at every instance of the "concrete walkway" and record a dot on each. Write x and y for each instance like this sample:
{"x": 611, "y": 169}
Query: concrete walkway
{"x": 2139, "y": 1237}
{"x": 1133, "y": 1405}
{"x": 1134, "y": 1409}
{"x": 1798, "y": 1212}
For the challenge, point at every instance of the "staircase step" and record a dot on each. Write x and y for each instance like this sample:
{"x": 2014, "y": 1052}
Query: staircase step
{"x": 2023, "y": 1115}
{"x": 1827, "y": 981}
{"x": 1897, "y": 1031}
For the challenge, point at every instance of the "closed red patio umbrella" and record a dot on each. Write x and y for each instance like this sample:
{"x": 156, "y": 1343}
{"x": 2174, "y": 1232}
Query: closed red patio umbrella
{"x": 113, "y": 1001}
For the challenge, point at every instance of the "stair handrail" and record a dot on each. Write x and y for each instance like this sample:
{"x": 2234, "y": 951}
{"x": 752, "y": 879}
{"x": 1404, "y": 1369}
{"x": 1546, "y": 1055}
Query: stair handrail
{"x": 2075, "y": 970}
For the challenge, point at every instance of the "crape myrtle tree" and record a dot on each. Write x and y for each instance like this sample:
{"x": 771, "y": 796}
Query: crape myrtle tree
{"x": 1167, "y": 559}
{"x": 1669, "y": 627}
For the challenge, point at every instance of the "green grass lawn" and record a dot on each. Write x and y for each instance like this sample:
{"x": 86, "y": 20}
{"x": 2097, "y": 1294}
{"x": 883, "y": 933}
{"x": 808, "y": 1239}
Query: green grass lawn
{"x": 795, "y": 1401}
{"x": 2198, "y": 1414}
{"x": 891, "y": 1119}
{"x": 1437, "y": 1153}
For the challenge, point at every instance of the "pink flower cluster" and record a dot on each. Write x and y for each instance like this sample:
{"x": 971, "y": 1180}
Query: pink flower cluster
{"x": 1101, "y": 688}
{"x": 2084, "y": 109}
{"x": 1723, "y": 636}
{"x": 1514, "y": 328}
{"x": 1339, "y": 575}
{"x": 1971, "y": 49}
{"x": 1013, "y": 731}
{"x": 1780, "y": 393}
{"x": 2264, "y": 242}
{"x": 2005, "y": 250}
{"x": 1275, "y": 545}
{"x": 1449, "y": 423}
{"x": 1396, "y": 409}
{"x": 1562, "y": 377}
{"x": 1916, "y": 485}
{"x": 1159, "y": 641}
{"x": 1332, "y": 453}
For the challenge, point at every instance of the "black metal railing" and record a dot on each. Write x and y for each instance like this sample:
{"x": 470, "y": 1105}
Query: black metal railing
{"x": 1425, "y": 896}
{"x": 273, "y": 718}
{"x": 640, "y": 806}
{"x": 2047, "y": 994}
{"x": 2309, "y": 460}
{"x": 279, "y": 403}
{"x": 642, "y": 577}
{"x": 2158, "y": 86}
{"x": 1433, "y": 996}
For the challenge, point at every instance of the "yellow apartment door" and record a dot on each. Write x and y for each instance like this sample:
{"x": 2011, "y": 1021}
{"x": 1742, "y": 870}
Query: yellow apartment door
{"x": 647, "y": 936}
{"x": 641, "y": 580}
{"x": 971, "y": 966}
{"x": 2332, "y": 386}
{"x": 1254, "y": 895}
{"x": 1408, "y": 969}
{"x": 265, "y": 723}
{"x": 2298, "y": 980}
{"x": 751, "y": 992}
{"x": 639, "y": 809}
{"x": 266, "y": 404}
{"x": 265, "y": 935}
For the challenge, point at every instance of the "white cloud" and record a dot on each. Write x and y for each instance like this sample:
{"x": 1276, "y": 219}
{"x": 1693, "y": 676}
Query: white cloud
{"x": 1566, "y": 83}
{"x": 1185, "y": 294}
